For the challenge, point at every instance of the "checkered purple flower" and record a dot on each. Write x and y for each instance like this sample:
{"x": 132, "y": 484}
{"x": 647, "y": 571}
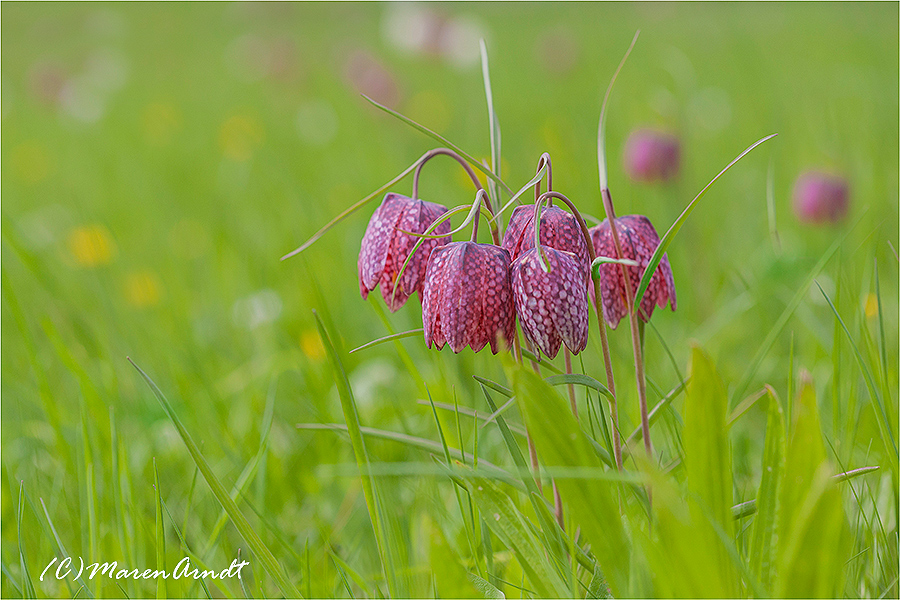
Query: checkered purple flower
{"x": 466, "y": 298}
{"x": 385, "y": 247}
{"x": 552, "y": 306}
{"x": 559, "y": 229}
{"x": 639, "y": 240}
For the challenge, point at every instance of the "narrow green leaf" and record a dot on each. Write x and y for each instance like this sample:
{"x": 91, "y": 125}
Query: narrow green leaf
{"x": 27, "y": 584}
{"x": 560, "y": 442}
{"x": 351, "y": 416}
{"x": 786, "y": 314}
{"x": 676, "y": 226}
{"x": 597, "y": 588}
{"x": 160, "y": 536}
{"x": 601, "y": 127}
{"x": 263, "y": 554}
{"x": 388, "y": 338}
{"x": 494, "y": 386}
{"x": 415, "y": 442}
{"x": 352, "y": 210}
{"x": 576, "y": 378}
{"x": 764, "y": 527}
{"x": 494, "y": 124}
{"x": 508, "y": 524}
{"x": 811, "y": 516}
{"x": 885, "y": 427}
{"x": 485, "y": 588}
{"x": 707, "y": 459}
{"x": 469, "y": 158}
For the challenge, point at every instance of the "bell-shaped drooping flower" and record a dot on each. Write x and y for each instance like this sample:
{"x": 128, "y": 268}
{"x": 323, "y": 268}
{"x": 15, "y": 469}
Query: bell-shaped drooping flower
{"x": 639, "y": 240}
{"x": 467, "y": 299}
{"x": 559, "y": 229}
{"x": 820, "y": 198}
{"x": 385, "y": 247}
{"x": 652, "y": 156}
{"x": 552, "y": 305}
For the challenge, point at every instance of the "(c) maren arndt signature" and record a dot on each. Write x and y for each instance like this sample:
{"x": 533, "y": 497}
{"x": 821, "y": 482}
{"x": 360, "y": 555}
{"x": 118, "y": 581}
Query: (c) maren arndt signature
{"x": 182, "y": 570}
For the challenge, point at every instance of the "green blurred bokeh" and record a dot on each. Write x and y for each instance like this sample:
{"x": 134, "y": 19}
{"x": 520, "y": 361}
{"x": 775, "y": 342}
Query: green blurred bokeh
{"x": 158, "y": 159}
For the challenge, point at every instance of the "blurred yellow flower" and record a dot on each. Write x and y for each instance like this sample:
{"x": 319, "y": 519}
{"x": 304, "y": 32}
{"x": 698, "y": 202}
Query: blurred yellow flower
{"x": 142, "y": 289}
{"x": 31, "y": 162}
{"x": 91, "y": 245}
{"x": 311, "y": 344}
{"x": 240, "y": 136}
{"x": 160, "y": 121}
{"x": 871, "y": 306}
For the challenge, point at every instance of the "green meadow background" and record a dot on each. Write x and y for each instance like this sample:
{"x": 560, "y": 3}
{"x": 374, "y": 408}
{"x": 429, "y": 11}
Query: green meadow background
{"x": 158, "y": 159}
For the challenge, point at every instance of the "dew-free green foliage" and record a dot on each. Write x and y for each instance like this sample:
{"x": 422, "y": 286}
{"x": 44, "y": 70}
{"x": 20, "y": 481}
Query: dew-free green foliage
{"x": 158, "y": 161}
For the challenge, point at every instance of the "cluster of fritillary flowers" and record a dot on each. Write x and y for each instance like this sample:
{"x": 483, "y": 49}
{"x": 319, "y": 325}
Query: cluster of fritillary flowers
{"x": 473, "y": 293}
{"x": 531, "y": 288}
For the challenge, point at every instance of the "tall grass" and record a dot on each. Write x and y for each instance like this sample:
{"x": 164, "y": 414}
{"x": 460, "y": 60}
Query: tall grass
{"x": 154, "y": 231}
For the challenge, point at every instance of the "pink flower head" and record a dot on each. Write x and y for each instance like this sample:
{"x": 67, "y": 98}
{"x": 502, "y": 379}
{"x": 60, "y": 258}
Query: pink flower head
{"x": 559, "y": 229}
{"x": 466, "y": 299}
{"x": 639, "y": 239}
{"x": 652, "y": 156}
{"x": 820, "y": 197}
{"x": 552, "y": 307}
{"x": 385, "y": 247}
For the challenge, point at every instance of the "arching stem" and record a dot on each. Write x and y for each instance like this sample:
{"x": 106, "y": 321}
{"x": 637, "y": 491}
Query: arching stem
{"x": 495, "y": 232}
{"x": 601, "y": 325}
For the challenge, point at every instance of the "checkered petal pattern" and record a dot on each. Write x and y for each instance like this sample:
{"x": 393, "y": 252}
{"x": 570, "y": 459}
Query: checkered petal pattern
{"x": 639, "y": 240}
{"x": 385, "y": 247}
{"x": 552, "y": 306}
{"x": 467, "y": 297}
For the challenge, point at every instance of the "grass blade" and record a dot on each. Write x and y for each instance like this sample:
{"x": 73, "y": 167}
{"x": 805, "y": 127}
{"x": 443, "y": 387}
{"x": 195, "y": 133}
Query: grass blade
{"x": 811, "y": 512}
{"x": 601, "y": 128}
{"x": 763, "y": 540}
{"x": 469, "y": 158}
{"x": 160, "y": 536}
{"x": 884, "y": 425}
{"x": 707, "y": 458}
{"x": 676, "y": 226}
{"x": 28, "y": 586}
{"x": 484, "y": 587}
{"x": 349, "y": 211}
{"x": 591, "y": 502}
{"x": 388, "y": 338}
{"x": 492, "y": 119}
{"x": 576, "y": 378}
{"x": 351, "y": 416}
{"x": 764, "y": 348}
{"x": 263, "y": 554}
{"x": 508, "y": 524}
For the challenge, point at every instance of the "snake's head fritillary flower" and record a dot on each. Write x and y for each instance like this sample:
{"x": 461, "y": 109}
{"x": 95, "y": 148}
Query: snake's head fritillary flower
{"x": 820, "y": 197}
{"x": 385, "y": 247}
{"x": 559, "y": 229}
{"x": 652, "y": 156}
{"x": 639, "y": 240}
{"x": 552, "y": 306}
{"x": 467, "y": 299}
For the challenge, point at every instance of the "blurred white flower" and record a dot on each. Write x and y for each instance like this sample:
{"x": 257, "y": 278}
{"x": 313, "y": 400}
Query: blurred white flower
{"x": 419, "y": 29}
{"x": 257, "y": 309}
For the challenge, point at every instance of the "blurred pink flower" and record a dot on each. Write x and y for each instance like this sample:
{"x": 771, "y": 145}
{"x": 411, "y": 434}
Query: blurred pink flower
{"x": 820, "y": 197}
{"x": 367, "y": 75}
{"x": 652, "y": 156}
